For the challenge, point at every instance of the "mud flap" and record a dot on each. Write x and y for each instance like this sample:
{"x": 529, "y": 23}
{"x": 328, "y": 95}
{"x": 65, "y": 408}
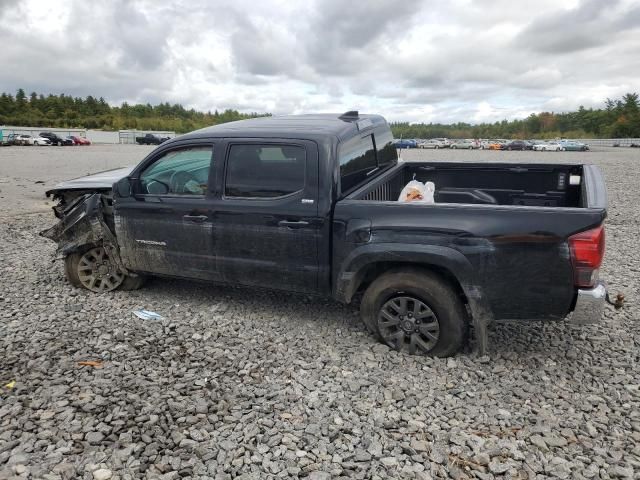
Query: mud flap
{"x": 82, "y": 223}
{"x": 481, "y": 317}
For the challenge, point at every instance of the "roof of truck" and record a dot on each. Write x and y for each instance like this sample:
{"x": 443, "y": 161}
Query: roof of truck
{"x": 293, "y": 126}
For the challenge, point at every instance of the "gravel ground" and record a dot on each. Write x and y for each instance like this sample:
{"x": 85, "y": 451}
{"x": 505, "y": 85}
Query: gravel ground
{"x": 238, "y": 383}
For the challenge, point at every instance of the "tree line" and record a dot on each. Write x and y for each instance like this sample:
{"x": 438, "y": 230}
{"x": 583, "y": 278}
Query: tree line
{"x": 65, "y": 111}
{"x": 619, "y": 118}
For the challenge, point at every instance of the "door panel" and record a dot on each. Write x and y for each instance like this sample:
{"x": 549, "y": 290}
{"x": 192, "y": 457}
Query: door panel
{"x": 166, "y": 226}
{"x": 270, "y": 241}
{"x": 157, "y": 238}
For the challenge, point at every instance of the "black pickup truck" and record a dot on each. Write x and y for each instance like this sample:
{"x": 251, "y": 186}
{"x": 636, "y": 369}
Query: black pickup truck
{"x": 310, "y": 204}
{"x": 150, "y": 139}
{"x": 56, "y": 139}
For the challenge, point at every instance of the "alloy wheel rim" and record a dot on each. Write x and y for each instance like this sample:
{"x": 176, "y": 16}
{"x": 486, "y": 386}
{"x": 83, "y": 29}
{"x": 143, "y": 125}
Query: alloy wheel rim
{"x": 97, "y": 272}
{"x": 408, "y": 324}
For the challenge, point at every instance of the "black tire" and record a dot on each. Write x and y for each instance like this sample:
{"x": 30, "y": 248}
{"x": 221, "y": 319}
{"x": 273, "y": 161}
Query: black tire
{"x": 71, "y": 269}
{"x": 432, "y": 291}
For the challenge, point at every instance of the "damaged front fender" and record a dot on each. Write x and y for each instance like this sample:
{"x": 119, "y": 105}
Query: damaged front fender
{"x": 82, "y": 222}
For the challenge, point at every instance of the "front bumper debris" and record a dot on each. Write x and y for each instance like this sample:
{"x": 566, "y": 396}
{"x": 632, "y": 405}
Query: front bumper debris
{"x": 589, "y": 305}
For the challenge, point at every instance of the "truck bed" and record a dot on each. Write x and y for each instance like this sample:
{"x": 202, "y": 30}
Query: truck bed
{"x": 541, "y": 185}
{"x": 508, "y": 223}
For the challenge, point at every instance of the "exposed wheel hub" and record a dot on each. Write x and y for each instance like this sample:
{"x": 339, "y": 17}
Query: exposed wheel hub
{"x": 407, "y": 323}
{"x": 103, "y": 270}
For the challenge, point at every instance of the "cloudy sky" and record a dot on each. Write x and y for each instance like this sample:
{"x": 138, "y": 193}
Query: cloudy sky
{"x": 431, "y": 61}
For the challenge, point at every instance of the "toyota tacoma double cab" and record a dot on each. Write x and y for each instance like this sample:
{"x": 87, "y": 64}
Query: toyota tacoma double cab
{"x": 311, "y": 204}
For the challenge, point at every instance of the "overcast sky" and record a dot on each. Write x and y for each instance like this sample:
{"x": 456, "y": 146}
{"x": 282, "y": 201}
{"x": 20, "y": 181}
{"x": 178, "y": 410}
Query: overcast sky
{"x": 435, "y": 61}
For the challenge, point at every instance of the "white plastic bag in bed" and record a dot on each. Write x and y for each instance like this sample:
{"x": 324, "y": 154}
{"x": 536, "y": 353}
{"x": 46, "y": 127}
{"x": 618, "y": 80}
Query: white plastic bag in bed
{"x": 416, "y": 191}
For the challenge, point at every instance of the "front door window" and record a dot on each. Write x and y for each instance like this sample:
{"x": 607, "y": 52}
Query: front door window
{"x": 178, "y": 172}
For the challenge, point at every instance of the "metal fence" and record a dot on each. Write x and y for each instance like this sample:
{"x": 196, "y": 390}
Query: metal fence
{"x": 35, "y": 131}
{"x": 95, "y": 136}
{"x": 609, "y": 142}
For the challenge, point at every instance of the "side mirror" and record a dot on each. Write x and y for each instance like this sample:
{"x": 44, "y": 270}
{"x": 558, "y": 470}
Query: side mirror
{"x": 123, "y": 187}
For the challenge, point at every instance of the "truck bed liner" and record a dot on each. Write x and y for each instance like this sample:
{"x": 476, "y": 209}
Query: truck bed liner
{"x": 492, "y": 184}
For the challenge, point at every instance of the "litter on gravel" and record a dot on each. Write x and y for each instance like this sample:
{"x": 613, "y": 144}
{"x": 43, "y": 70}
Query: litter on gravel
{"x": 147, "y": 315}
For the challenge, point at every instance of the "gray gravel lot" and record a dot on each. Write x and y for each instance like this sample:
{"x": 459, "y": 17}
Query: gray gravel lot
{"x": 239, "y": 383}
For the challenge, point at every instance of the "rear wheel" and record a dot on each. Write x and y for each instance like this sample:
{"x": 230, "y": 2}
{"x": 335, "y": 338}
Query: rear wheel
{"x": 415, "y": 312}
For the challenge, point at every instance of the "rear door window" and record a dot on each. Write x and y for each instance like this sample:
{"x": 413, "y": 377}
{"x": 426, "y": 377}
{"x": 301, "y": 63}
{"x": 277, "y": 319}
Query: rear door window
{"x": 264, "y": 171}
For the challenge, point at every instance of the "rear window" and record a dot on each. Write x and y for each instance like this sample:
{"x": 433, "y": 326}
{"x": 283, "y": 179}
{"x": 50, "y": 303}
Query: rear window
{"x": 360, "y": 156}
{"x": 357, "y": 158}
{"x": 265, "y": 171}
{"x": 387, "y": 153}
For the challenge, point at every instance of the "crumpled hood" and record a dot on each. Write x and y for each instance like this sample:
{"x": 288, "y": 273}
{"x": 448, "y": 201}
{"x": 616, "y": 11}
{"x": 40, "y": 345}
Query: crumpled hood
{"x": 102, "y": 180}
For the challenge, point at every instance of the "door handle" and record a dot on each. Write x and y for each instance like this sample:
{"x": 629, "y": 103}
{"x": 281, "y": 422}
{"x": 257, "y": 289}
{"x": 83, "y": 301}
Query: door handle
{"x": 291, "y": 224}
{"x": 195, "y": 218}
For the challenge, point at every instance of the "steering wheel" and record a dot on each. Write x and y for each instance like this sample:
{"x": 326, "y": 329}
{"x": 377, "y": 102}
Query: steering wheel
{"x": 179, "y": 181}
{"x": 157, "y": 187}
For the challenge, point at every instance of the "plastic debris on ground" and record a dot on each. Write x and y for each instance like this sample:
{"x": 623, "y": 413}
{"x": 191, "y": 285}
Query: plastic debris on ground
{"x": 147, "y": 315}
{"x": 11, "y": 384}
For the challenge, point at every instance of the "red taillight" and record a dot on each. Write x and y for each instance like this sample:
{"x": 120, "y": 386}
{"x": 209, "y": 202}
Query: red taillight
{"x": 587, "y": 251}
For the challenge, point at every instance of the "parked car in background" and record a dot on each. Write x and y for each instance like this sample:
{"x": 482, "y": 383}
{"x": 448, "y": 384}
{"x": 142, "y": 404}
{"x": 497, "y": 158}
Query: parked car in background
{"x": 495, "y": 145}
{"x": 40, "y": 141}
{"x": 150, "y": 139}
{"x": 433, "y": 143}
{"x": 80, "y": 140}
{"x": 23, "y": 140}
{"x": 548, "y": 147}
{"x": 515, "y": 145}
{"x": 467, "y": 144}
{"x": 54, "y": 139}
{"x": 11, "y": 139}
{"x": 444, "y": 142}
{"x": 573, "y": 146}
{"x": 406, "y": 143}
{"x": 634, "y": 145}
